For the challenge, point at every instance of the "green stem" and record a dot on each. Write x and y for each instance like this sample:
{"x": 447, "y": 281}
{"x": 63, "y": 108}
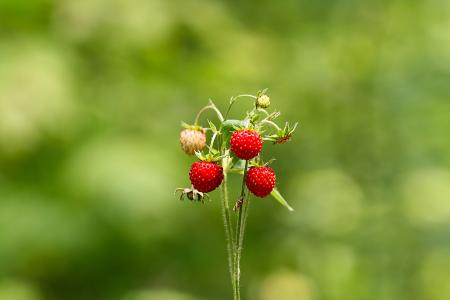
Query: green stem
{"x": 213, "y": 139}
{"x": 228, "y": 227}
{"x": 237, "y": 270}
{"x": 270, "y": 123}
{"x": 233, "y": 99}
{"x": 242, "y": 231}
{"x": 240, "y": 225}
{"x": 234, "y": 245}
{"x": 264, "y": 111}
{"x": 212, "y": 106}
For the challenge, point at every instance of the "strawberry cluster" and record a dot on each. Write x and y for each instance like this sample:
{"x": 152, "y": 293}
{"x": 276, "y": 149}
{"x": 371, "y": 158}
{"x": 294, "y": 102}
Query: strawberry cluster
{"x": 245, "y": 143}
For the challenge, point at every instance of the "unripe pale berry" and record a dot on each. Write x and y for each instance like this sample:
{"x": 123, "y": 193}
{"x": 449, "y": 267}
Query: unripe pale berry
{"x": 192, "y": 140}
{"x": 263, "y": 101}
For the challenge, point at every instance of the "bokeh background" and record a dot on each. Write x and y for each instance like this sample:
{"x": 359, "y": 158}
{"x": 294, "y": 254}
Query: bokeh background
{"x": 92, "y": 93}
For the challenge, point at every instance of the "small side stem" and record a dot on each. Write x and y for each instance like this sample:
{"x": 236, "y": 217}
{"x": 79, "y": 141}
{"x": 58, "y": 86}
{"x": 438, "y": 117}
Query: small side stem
{"x": 213, "y": 139}
{"x": 212, "y": 106}
{"x": 233, "y": 99}
{"x": 270, "y": 123}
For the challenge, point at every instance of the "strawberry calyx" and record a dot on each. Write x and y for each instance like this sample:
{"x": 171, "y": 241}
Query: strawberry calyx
{"x": 193, "y": 127}
{"x": 282, "y": 135}
{"x": 258, "y": 162}
{"x": 212, "y": 156}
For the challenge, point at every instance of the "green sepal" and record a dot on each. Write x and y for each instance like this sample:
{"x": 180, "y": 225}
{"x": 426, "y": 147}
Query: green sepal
{"x": 200, "y": 155}
{"x": 253, "y": 117}
{"x": 214, "y": 152}
{"x": 193, "y": 127}
{"x": 274, "y": 115}
{"x": 212, "y": 156}
{"x": 282, "y": 136}
{"x": 277, "y": 195}
{"x": 263, "y": 92}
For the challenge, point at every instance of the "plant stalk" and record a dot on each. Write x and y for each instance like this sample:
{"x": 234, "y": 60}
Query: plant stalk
{"x": 240, "y": 226}
{"x": 228, "y": 227}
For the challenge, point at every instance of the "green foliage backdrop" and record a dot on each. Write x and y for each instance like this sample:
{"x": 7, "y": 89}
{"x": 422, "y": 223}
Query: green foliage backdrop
{"x": 92, "y": 93}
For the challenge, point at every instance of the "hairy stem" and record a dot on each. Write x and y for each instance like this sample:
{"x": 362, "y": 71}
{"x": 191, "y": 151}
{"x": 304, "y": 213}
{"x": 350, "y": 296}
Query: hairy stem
{"x": 228, "y": 227}
{"x": 240, "y": 225}
{"x": 242, "y": 231}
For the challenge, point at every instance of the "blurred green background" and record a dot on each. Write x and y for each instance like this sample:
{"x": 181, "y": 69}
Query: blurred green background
{"x": 92, "y": 93}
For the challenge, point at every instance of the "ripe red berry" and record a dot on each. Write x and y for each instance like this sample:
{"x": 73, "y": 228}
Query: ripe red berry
{"x": 246, "y": 144}
{"x": 261, "y": 181}
{"x": 206, "y": 176}
{"x": 192, "y": 140}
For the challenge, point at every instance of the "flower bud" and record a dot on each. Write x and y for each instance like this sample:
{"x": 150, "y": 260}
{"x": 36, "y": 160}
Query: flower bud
{"x": 263, "y": 101}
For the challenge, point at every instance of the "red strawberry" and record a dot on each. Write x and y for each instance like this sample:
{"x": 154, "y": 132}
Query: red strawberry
{"x": 206, "y": 176}
{"x": 246, "y": 144}
{"x": 261, "y": 181}
{"x": 192, "y": 140}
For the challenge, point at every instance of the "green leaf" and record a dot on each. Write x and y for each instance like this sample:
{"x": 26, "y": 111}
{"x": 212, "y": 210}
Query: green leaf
{"x": 212, "y": 126}
{"x": 233, "y": 123}
{"x": 263, "y": 92}
{"x": 236, "y": 171}
{"x": 229, "y": 126}
{"x": 240, "y": 164}
{"x": 276, "y": 194}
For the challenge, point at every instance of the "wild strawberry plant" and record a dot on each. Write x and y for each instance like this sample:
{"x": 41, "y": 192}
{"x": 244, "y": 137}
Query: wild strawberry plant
{"x": 234, "y": 147}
